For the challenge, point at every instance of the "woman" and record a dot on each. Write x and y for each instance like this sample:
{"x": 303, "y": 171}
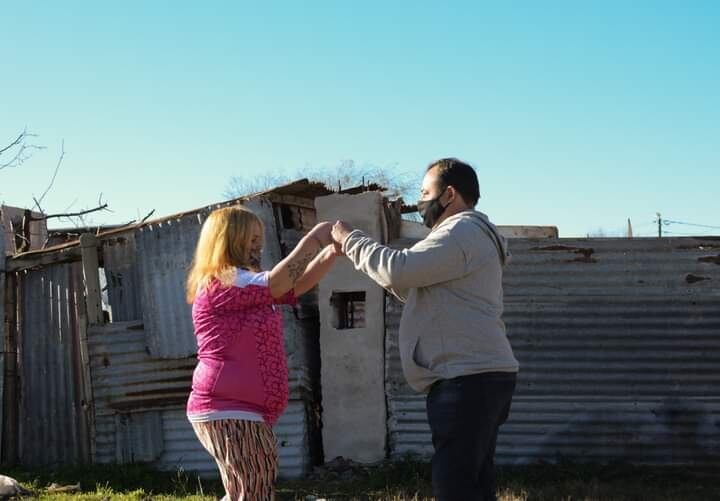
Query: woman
{"x": 240, "y": 384}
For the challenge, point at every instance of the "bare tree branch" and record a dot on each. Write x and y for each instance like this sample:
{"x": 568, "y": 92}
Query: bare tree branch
{"x": 344, "y": 174}
{"x": 37, "y": 204}
{"x": 239, "y": 186}
{"x": 52, "y": 181}
{"x": 15, "y": 154}
{"x": 147, "y": 217}
{"x": 73, "y": 203}
{"x": 14, "y": 143}
{"x": 74, "y": 214}
{"x": 19, "y": 150}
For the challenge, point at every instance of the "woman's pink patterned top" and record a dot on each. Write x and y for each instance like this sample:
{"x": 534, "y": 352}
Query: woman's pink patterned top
{"x": 241, "y": 355}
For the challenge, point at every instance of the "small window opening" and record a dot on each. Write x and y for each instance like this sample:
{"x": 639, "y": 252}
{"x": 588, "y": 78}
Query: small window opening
{"x": 348, "y": 310}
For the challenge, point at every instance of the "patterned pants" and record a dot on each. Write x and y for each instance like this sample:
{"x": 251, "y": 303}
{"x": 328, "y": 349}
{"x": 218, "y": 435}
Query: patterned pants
{"x": 245, "y": 452}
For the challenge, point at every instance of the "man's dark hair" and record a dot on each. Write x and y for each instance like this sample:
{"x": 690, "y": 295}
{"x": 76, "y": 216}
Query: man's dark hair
{"x": 459, "y": 175}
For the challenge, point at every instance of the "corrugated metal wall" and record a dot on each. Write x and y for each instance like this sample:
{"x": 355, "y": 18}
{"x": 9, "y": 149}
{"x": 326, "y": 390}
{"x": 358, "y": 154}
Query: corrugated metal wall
{"x": 53, "y": 427}
{"x": 142, "y": 370}
{"x": 140, "y": 407}
{"x": 182, "y": 449}
{"x": 164, "y": 254}
{"x": 618, "y": 344}
{"x": 2, "y": 391}
{"x": 121, "y": 272}
{"x": 141, "y": 364}
{"x": 292, "y": 431}
{"x": 127, "y": 385}
{"x": 125, "y": 376}
{"x": 2, "y": 322}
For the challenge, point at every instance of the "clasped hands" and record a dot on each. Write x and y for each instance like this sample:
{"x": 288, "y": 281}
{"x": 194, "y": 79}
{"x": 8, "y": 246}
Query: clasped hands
{"x": 327, "y": 233}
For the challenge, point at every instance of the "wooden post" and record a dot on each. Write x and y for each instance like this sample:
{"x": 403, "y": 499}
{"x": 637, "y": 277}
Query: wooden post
{"x": 87, "y": 402}
{"x": 91, "y": 278}
{"x": 26, "y": 235}
{"x": 10, "y": 391}
{"x": 90, "y": 313}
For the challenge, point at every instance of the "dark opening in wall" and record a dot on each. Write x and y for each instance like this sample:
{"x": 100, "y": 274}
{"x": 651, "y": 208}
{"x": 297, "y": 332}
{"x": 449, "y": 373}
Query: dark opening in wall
{"x": 286, "y": 214}
{"x": 348, "y": 309}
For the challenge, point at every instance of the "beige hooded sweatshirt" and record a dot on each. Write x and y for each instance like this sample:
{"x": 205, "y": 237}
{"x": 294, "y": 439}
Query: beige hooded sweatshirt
{"x": 451, "y": 283}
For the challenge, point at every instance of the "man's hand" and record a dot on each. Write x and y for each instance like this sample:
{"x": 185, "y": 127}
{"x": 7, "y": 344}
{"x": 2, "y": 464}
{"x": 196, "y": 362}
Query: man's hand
{"x": 340, "y": 231}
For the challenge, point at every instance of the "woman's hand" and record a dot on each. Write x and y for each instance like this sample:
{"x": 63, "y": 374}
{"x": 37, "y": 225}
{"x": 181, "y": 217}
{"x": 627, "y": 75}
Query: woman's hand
{"x": 322, "y": 233}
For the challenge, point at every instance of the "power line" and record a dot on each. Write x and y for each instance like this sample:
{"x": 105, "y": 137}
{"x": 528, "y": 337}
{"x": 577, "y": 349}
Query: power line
{"x": 682, "y": 234}
{"x": 669, "y": 221}
{"x": 666, "y": 222}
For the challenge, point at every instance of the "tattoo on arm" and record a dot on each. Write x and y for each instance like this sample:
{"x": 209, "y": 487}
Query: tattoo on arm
{"x": 297, "y": 266}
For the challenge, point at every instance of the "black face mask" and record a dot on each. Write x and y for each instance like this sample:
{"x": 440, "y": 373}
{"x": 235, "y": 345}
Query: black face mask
{"x": 431, "y": 210}
{"x": 255, "y": 259}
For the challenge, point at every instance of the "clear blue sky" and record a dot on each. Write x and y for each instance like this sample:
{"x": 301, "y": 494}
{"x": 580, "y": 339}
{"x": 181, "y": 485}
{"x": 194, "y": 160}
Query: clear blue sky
{"x": 575, "y": 114}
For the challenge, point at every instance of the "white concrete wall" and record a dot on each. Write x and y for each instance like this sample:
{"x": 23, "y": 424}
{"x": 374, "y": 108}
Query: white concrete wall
{"x": 352, "y": 367}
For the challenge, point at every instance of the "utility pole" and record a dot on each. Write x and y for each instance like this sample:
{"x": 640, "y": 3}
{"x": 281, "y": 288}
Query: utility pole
{"x": 659, "y": 221}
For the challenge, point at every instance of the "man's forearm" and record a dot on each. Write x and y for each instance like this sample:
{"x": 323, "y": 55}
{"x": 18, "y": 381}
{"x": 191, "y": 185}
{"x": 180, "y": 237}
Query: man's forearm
{"x": 370, "y": 257}
{"x": 435, "y": 259}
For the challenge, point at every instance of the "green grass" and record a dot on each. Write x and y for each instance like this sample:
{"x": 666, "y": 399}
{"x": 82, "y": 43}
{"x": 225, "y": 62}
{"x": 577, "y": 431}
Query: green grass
{"x": 121, "y": 482}
{"x": 400, "y": 481}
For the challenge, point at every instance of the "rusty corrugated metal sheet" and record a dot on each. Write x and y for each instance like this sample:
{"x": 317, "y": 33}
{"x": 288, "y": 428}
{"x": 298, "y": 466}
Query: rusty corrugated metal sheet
{"x": 126, "y": 377}
{"x": 182, "y": 448}
{"x": 52, "y": 425}
{"x": 128, "y": 382}
{"x": 121, "y": 272}
{"x": 164, "y": 254}
{"x": 618, "y": 345}
{"x": 136, "y": 395}
{"x": 292, "y": 432}
{"x": 138, "y": 436}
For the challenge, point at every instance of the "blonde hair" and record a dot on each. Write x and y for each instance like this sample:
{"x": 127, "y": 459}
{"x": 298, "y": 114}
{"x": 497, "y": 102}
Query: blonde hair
{"x": 224, "y": 245}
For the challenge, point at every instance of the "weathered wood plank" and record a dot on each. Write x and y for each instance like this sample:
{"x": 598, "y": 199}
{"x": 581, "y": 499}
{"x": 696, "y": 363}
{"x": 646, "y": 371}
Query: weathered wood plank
{"x": 36, "y": 259}
{"x": 91, "y": 277}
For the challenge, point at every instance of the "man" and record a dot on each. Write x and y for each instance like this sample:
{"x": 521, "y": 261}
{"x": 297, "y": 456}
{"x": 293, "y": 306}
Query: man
{"x": 452, "y": 339}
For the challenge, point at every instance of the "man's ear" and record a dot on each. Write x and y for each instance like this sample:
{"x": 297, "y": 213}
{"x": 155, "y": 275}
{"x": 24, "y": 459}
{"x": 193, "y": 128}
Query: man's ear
{"x": 456, "y": 195}
{"x": 452, "y": 194}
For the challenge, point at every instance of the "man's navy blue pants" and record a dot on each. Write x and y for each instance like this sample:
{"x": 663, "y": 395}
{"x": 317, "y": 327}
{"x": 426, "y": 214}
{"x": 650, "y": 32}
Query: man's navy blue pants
{"x": 464, "y": 414}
